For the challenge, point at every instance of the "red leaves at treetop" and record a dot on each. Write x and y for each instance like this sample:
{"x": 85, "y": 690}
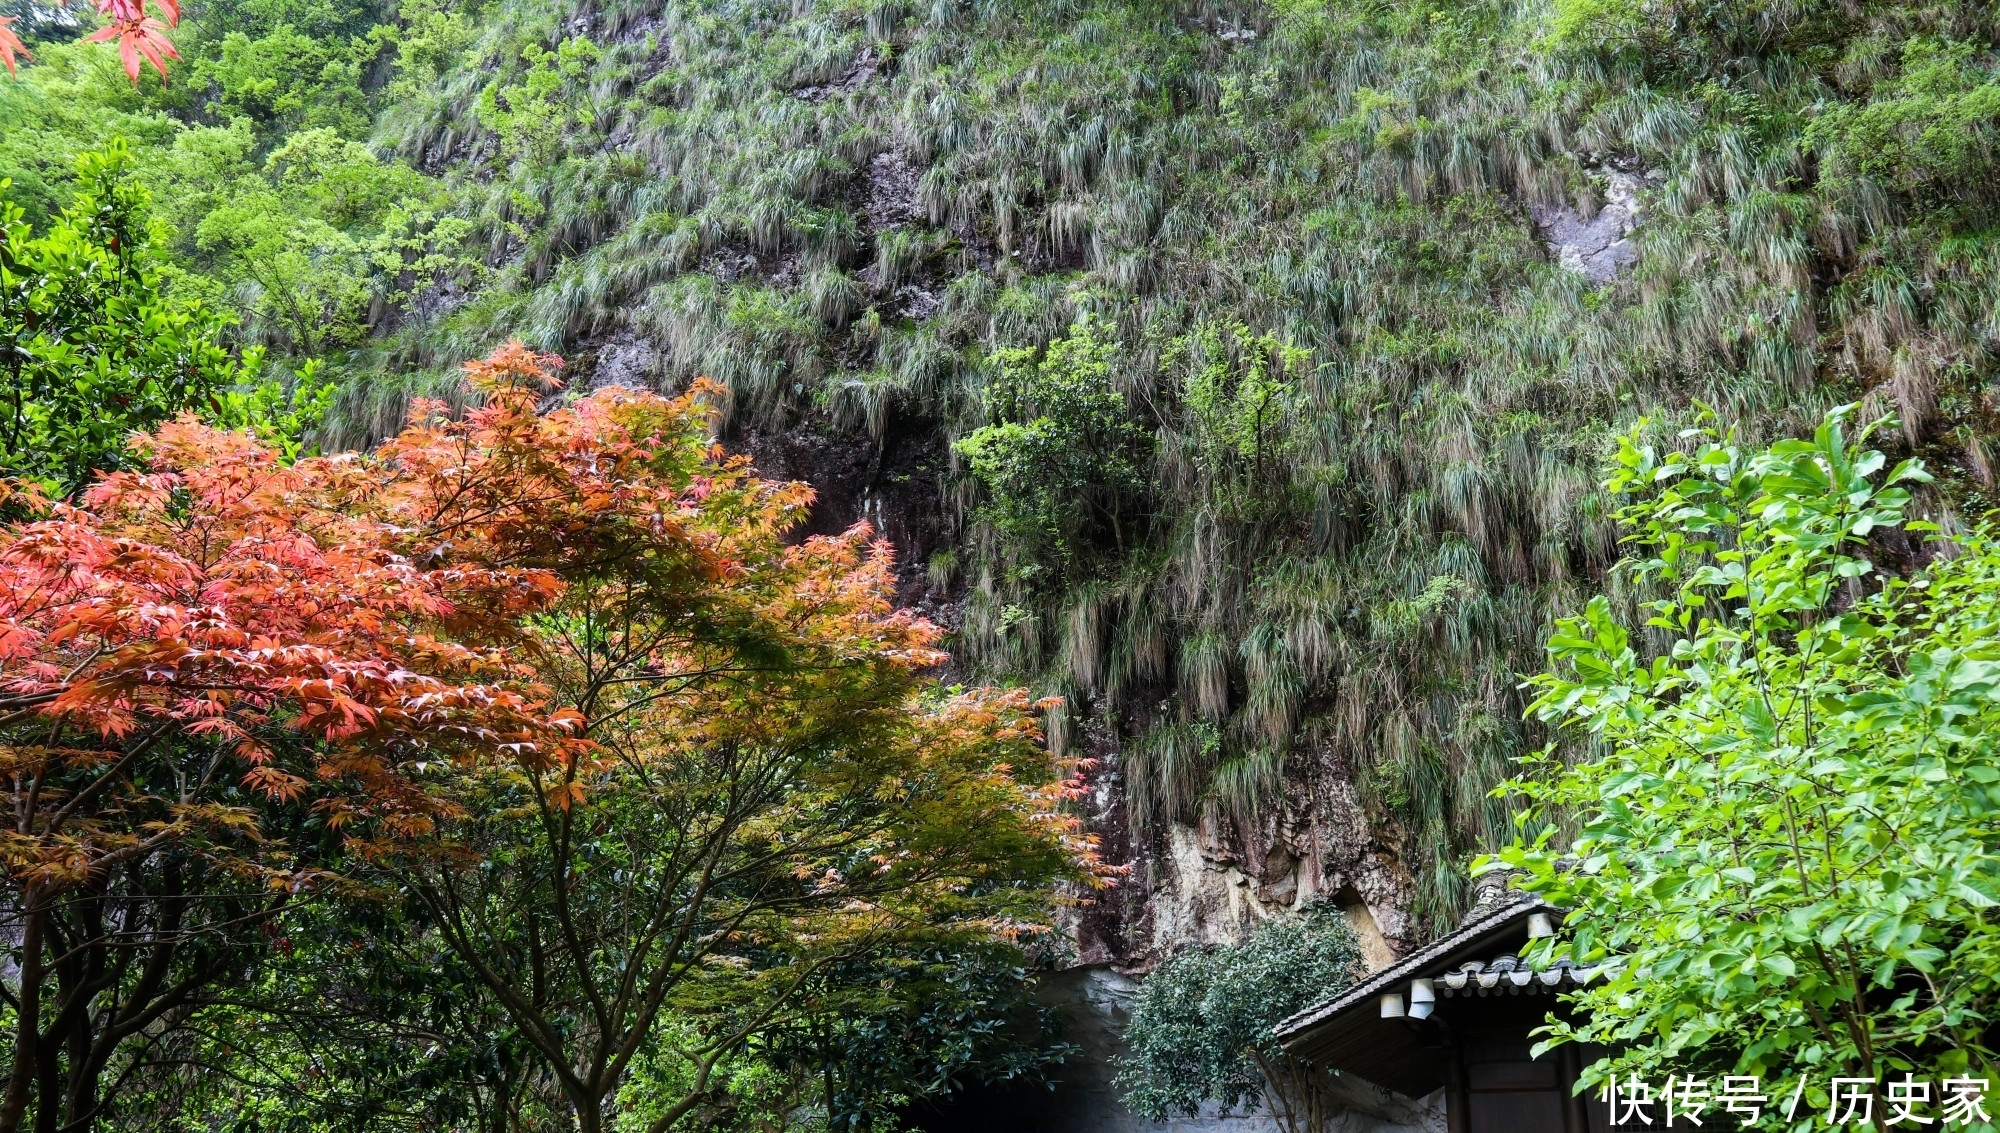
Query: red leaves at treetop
{"x": 139, "y": 36}
{"x": 349, "y": 620}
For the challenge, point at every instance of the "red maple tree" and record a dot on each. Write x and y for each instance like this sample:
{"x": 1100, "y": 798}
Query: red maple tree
{"x": 221, "y": 676}
{"x": 139, "y": 36}
{"x": 208, "y": 664}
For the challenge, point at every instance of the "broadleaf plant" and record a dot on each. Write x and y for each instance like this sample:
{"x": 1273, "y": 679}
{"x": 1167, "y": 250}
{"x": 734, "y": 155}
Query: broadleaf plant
{"x": 93, "y": 344}
{"x": 1785, "y": 824}
{"x": 1203, "y": 1026}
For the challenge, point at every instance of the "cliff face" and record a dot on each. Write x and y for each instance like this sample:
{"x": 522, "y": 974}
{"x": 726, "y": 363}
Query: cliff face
{"x": 1209, "y": 882}
{"x": 1204, "y": 883}
{"x": 1381, "y": 285}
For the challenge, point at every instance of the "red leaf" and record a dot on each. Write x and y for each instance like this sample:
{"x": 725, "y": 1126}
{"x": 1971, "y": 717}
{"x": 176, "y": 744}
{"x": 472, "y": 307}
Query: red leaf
{"x": 138, "y": 36}
{"x": 155, "y": 46}
{"x": 10, "y": 45}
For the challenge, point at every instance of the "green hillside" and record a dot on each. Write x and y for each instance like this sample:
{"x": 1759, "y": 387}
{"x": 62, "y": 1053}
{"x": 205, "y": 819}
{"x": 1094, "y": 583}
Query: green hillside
{"x": 1347, "y": 476}
{"x": 1228, "y": 352}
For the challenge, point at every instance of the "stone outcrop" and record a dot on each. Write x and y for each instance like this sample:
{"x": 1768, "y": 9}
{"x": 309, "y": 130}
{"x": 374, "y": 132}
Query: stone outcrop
{"x": 1599, "y": 246}
{"x": 1211, "y": 882}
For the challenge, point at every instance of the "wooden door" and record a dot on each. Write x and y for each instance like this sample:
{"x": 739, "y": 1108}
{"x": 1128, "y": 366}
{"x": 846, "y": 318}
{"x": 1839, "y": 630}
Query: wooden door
{"x": 1499, "y": 1087}
{"x": 1506, "y": 1091}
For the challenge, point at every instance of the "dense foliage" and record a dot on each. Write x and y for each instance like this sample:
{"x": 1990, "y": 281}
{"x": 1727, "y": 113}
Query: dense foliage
{"x": 93, "y": 346}
{"x": 215, "y": 667}
{"x": 1062, "y": 461}
{"x": 1203, "y": 1025}
{"x": 1310, "y": 221}
{"x": 771, "y": 791}
{"x": 1263, "y": 413}
{"x": 1787, "y": 840}
{"x": 642, "y": 768}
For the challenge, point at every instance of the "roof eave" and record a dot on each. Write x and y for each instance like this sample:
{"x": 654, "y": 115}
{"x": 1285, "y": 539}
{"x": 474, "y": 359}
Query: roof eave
{"x": 1431, "y": 960}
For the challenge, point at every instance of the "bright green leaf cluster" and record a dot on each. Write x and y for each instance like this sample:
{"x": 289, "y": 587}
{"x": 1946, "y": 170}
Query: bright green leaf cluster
{"x": 1063, "y": 457}
{"x": 1787, "y": 840}
{"x": 529, "y": 109}
{"x": 1929, "y": 133}
{"x": 92, "y": 345}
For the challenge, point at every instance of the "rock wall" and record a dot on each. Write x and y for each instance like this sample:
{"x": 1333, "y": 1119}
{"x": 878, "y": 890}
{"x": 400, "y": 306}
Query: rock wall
{"x": 1209, "y": 883}
{"x": 1597, "y": 245}
{"x": 1212, "y": 882}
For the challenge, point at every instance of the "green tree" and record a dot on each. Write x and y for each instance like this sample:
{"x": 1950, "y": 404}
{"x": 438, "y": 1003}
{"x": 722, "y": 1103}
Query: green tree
{"x": 1929, "y": 134}
{"x": 345, "y": 1015}
{"x": 1062, "y": 459}
{"x": 535, "y": 107}
{"x": 763, "y": 786}
{"x": 1787, "y": 835}
{"x": 73, "y": 101}
{"x": 1202, "y": 1026}
{"x": 316, "y": 244}
{"x": 918, "y": 1024}
{"x": 289, "y": 78}
{"x": 93, "y": 344}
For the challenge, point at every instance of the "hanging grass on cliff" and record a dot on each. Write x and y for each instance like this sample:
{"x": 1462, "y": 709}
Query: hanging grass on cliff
{"x": 1316, "y": 222}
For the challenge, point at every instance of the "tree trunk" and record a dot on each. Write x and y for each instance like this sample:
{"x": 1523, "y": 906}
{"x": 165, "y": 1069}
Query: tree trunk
{"x": 27, "y": 1032}
{"x": 589, "y": 1110}
{"x": 48, "y": 1078}
{"x": 86, "y": 1073}
{"x": 497, "y": 1119}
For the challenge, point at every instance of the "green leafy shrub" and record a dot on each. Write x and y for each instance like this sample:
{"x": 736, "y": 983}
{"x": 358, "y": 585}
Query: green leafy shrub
{"x": 432, "y": 35}
{"x": 1244, "y": 438}
{"x": 290, "y": 79}
{"x": 314, "y": 245}
{"x": 1929, "y": 132}
{"x": 92, "y": 344}
{"x": 1202, "y": 1025}
{"x": 530, "y": 110}
{"x": 1788, "y": 833}
{"x": 1064, "y": 459}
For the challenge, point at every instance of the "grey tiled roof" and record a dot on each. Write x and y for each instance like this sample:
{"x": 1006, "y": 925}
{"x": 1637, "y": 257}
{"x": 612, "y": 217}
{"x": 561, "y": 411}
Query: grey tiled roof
{"x": 1414, "y": 965}
{"x": 1510, "y": 974}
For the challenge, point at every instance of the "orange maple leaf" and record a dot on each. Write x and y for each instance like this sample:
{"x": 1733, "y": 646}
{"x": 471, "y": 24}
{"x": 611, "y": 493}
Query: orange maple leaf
{"x": 11, "y": 46}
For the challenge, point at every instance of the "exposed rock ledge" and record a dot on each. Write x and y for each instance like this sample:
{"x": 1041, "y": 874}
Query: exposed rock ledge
{"x": 1598, "y": 247}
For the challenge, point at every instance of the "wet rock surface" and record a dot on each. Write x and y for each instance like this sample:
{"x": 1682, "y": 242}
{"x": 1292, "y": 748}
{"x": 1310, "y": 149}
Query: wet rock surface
{"x": 623, "y": 359}
{"x": 1230, "y": 31}
{"x": 893, "y": 485}
{"x": 1213, "y": 881}
{"x": 892, "y": 191}
{"x": 858, "y": 73}
{"x": 1599, "y": 246}
{"x": 890, "y": 203}
{"x": 1210, "y": 882}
